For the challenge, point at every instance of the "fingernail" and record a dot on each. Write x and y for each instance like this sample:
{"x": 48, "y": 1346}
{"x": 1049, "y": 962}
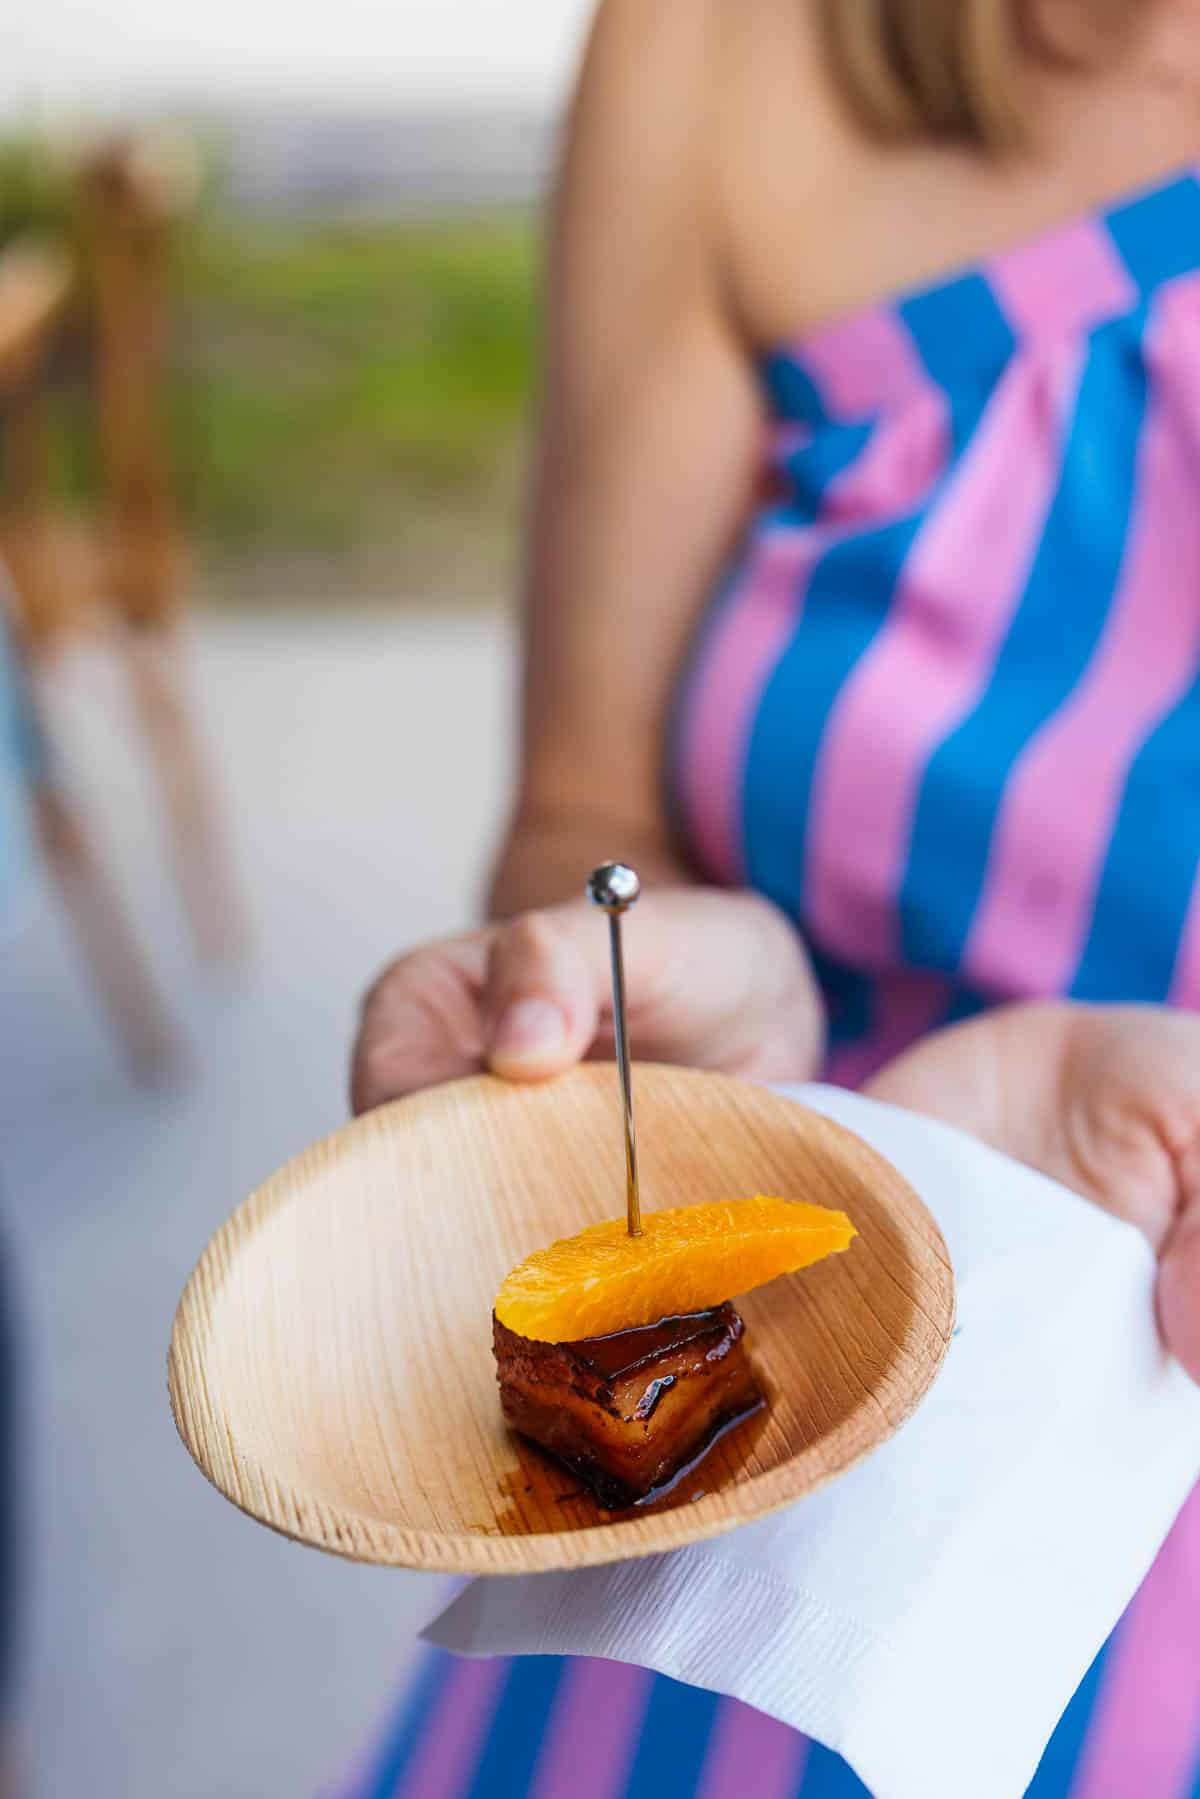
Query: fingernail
{"x": 528, "y": 1032}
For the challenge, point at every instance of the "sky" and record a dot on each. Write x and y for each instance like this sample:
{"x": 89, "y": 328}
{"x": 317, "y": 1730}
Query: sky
{"x": 60, "y": 55}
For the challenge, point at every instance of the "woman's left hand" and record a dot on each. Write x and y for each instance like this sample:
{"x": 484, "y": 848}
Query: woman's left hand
{"x": 1105, "y": 1099}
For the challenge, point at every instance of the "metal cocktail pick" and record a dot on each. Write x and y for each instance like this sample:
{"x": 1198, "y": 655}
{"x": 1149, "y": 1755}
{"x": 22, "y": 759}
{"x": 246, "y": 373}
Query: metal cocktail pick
{"x": 614, "y": 888}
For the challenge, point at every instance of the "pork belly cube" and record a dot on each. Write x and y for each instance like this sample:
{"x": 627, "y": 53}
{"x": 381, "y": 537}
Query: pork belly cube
{"x": 629, "y": 1412}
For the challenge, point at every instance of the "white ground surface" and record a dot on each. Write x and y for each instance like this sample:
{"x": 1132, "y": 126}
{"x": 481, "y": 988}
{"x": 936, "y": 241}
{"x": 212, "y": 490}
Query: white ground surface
{"x": 177, "y": 1650}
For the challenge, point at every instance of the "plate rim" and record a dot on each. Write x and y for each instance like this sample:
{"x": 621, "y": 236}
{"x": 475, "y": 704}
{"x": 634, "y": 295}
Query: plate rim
{"x": 355, "y": 1537}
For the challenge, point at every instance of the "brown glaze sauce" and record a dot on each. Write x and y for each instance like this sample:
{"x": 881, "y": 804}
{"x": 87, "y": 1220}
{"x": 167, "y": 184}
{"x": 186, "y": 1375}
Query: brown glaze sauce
{"x": 540, "y": 1495}
{"x": 625, "y": 1351}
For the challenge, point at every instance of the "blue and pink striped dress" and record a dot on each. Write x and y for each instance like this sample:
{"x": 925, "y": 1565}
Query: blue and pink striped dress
{"x": 945, "y": 711}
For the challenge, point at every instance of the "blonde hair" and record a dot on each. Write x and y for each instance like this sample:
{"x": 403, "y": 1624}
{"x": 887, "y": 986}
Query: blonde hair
{"x": 953, "y": 68}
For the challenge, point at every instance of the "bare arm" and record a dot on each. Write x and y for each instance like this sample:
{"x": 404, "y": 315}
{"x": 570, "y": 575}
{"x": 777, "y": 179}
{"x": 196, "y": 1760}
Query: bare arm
{"x": 647, "y": 457}
{"x": 648, "y": 447}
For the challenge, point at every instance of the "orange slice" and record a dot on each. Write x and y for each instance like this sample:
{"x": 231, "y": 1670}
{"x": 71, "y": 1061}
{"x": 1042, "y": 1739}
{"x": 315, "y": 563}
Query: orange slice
{"x": 688, "y": 1259}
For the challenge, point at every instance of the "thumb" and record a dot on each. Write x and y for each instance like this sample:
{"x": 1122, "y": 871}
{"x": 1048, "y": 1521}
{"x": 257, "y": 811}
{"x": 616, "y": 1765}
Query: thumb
{"x": 1179, "y": 1291}
{"x": 542, "y": 995}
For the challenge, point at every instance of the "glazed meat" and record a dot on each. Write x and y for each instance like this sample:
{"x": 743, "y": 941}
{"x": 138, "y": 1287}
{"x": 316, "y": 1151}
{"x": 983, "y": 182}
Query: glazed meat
{"x": 629, "y": 1412}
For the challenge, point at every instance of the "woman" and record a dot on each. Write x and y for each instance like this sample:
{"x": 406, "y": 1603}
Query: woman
{"x": 868, "y": 628}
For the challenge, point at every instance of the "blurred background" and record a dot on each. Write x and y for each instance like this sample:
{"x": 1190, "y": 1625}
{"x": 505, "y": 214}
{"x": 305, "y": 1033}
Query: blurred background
{"x": 267, "y": 330}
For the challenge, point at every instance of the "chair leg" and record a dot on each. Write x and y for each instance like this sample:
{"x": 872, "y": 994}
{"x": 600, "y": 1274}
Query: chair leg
{"x": 110, "y": 950}
{"x": 203, "y": 866}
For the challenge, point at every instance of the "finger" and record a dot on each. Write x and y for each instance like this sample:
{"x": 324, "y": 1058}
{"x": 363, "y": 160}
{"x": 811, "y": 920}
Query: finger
{"x": 1179, "y": 1291}
{"x": 727, "y": 989}
{"x": 543, "y": 993}
{"x": 421, "y": 1023}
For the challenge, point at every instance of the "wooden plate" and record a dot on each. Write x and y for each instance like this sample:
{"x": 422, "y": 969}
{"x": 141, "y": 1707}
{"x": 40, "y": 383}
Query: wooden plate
{"x": 331, "y": 1368}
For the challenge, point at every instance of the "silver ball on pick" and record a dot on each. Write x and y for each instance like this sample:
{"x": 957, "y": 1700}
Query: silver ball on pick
{"x": 614, "y": 887}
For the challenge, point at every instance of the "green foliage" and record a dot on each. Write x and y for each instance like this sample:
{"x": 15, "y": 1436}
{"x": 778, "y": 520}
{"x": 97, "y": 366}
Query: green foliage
{"x": 32, "y": 196}
{"x": 333, "y": 378}
{"x": 336, "y": 386}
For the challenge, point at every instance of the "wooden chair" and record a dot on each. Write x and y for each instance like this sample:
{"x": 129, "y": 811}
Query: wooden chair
{"x": 131, "y": 197}
{"x": 36, "y": 288}
{"x": 118, "y": 581}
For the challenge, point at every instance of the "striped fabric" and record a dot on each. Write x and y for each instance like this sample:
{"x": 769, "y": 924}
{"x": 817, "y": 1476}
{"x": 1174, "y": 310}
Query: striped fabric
{"x": 946, "y": 713}
{"x": 953, "y": 680}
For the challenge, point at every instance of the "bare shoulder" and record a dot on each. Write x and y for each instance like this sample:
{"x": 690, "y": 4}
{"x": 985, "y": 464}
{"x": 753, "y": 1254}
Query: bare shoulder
{"x": 634, "y": 228}
{"x": 644, "y": 98}
{"x": 817, "y": 216}
{"x": 789, "y": 156}
{"x": 636, "y": 43}
{"x": 684, "y": 112}
{"x": 663, "y": 74}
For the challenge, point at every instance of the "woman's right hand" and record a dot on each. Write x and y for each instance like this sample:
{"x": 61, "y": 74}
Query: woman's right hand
{"x": 715, "y": 980}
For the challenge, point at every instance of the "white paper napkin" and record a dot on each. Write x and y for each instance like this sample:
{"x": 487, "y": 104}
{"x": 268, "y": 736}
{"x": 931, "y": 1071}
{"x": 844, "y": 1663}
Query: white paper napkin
{"x": 978, "y": 1560}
